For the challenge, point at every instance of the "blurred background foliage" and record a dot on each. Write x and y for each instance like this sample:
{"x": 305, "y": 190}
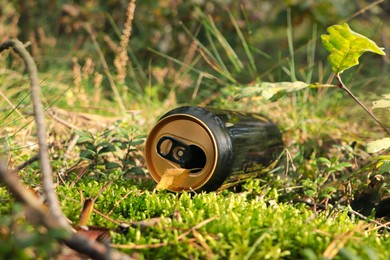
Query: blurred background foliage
{"x": 191, "y": 51}
{"x": 169, "y": 26}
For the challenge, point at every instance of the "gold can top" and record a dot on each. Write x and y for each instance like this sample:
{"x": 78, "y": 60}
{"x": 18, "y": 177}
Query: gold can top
{"x": 181, "y": 141}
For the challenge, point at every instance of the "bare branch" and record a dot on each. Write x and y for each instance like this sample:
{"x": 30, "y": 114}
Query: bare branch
{"x": 342, "y": 86}
{"x": 37, "y": 213}
{"x": 47, "y": 173}
{"x": 28, "y": 162}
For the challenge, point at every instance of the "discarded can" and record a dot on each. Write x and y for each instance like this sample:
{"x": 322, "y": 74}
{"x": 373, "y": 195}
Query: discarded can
{"x": 215, "y": 145}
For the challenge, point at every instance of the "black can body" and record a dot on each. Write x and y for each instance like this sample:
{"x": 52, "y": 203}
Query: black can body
{"x": 215, "y": 145}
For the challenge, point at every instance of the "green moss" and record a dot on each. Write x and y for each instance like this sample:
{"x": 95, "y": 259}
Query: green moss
{"x": 240, "y": 226}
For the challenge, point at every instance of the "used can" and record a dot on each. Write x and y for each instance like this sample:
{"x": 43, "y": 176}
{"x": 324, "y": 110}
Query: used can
{"x": 215, "y": 145}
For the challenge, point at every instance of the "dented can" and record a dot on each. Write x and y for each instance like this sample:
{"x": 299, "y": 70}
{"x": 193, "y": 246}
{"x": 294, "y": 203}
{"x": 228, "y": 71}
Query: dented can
{"x": 215, "y": 145}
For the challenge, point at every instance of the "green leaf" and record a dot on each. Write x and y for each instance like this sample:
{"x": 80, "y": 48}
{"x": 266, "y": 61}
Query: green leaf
{"x": 267, "y": 89}
{"x": 136, "y": 170}
{"x": 382, "y": 167}
{"x": 107, "y": 149}
{"x": 378, "y": 145}
{"x": 83, "y": 136}
{"x": 309, "y": 254}
{"x": 130, "y": 161}
{"x": 104, "y": 144}
{"x": 112, "y": 165}
{"x": 341, "y": 166}
{"x": 325, "y": 161}
{"x": 87, "y": 154}
{"x": 346, "y": 47}
{"x": 136, "y": 142}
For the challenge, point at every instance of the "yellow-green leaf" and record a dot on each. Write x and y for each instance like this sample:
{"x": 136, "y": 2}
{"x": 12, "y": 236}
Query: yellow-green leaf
{"x": 167, "y": 180}
{"x": 346, "y": 47}
{"x": 378, "y": 145}
{"x": 268, "y": 90}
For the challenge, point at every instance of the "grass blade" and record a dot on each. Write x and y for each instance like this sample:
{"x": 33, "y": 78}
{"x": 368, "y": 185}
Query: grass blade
{"x": 245, "y": 45}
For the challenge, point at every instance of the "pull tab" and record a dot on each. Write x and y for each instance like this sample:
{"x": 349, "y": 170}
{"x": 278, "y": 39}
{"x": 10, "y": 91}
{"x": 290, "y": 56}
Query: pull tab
{"x": 174, "y": 150}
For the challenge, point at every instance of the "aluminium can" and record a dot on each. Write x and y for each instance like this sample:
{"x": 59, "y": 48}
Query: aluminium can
{"x": 215, "y": 145}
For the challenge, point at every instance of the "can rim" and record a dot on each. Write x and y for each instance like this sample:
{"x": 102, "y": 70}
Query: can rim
{"x": 149, "y": 149}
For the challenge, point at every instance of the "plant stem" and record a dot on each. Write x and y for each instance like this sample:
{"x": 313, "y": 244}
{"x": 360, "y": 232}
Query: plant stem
{"x": 342, "y": 86}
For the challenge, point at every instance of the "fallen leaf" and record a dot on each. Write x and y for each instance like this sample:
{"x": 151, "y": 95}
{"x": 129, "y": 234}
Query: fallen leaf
{"x": 86, "y": 212}
{"x": 167, "y": 180}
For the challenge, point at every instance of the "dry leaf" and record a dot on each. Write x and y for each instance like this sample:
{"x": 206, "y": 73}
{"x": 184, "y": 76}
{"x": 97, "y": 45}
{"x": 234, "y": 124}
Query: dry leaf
{"x": 86, "y": 212}
{"x": 168, "y": 178}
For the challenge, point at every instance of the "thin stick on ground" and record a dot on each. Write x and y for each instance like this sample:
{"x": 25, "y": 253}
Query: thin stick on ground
{"x": 47, "y": 173}
{"x": 29, "y": 161}
{"x": 353, "y": 212}
{"x": 379, "y": 224}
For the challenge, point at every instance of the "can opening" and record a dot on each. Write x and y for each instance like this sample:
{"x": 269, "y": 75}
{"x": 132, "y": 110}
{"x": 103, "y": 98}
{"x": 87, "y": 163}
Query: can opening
{"x": 165, "y": 147}
{"x": 190, "y": 157}
{"x": 198, "y": 159}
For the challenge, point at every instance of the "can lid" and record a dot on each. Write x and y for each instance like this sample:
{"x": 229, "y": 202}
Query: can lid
{"x": 181, "y": 141}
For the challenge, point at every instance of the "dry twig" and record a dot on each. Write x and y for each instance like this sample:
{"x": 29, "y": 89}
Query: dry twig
{"x": 47, "y": 173}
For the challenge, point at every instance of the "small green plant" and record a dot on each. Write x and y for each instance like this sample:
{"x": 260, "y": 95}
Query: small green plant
{"x": 112, "y": 149}
{"x": 316, "y": 188}
{"x": 346, "y": 47}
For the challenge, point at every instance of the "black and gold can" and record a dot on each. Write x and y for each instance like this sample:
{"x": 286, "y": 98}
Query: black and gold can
{"x": 215, "y": 146}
